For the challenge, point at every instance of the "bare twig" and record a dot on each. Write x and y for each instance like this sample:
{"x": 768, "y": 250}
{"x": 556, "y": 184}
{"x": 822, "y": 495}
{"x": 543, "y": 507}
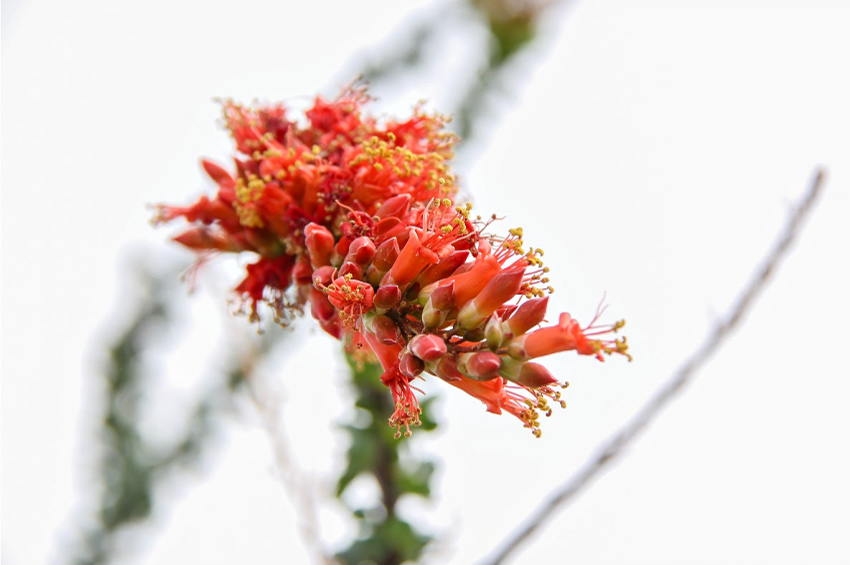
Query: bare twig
{"x": 615, "y": 445}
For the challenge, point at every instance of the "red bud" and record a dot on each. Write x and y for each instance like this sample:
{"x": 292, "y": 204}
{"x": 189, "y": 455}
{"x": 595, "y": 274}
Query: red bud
{"x": 480, "y": 365}
{"x": 411, "y": 366}
{"x": 387, "y": 297}
{"x": 386, "y": 255}
{"x": 428, "y": 347}
{"x": 528, "y": 315}
{"x": 361, "y": 251}
{"x": 320, "y": 244}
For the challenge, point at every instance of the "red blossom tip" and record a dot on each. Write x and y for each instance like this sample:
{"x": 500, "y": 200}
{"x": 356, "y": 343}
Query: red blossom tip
{"x": 218, "y": 174}
{"x": 386, "y": 255}
{"x": 395, "y": 207}
{"x": 361, "y": 251}
{"x": 498, "y": 290}
{"x": 480, "y": 365}
{"x": 320, "y": 244}
{"x": 529, "y": 314}
{"x": 384, "y": 329}
{"x": 428, "y": 347}
{"x": 535, "y": 375}
{"x": 411, "y": 366}
{"x": 387, "y": 296}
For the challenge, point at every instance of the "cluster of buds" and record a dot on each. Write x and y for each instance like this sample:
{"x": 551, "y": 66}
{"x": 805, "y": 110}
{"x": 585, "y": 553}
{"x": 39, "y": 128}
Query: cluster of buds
{"x": 357, "y": 219}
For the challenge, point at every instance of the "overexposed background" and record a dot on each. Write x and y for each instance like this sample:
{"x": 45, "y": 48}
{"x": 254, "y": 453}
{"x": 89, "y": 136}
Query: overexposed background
{"x": 653, "y": 149}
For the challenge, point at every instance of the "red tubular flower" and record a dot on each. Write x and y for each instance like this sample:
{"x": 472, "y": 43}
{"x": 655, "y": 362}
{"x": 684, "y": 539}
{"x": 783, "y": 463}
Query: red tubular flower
{"x": 499, "y": 290}
{"x": 566, "y": 336}
{"x": 358, "y": 218}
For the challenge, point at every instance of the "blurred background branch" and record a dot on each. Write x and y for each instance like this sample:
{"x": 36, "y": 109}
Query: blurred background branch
{"x": 500, "y": 31}
{"x": 132, "y": 464}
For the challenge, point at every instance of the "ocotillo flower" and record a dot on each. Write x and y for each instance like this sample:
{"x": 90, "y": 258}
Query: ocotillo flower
{"x": 357, "y": 218}
{"x": 288, "y": 176}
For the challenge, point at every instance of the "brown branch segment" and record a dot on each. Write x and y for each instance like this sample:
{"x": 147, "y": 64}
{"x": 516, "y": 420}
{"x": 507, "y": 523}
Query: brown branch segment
{"x": 614, "y": 446}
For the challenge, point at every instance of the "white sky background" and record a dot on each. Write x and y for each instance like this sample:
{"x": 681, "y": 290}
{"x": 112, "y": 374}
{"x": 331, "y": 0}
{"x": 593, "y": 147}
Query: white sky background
{"x": 654, "y": 153}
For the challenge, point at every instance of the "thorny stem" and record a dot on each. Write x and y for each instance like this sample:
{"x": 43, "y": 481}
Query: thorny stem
{"x": 614, "y": 446}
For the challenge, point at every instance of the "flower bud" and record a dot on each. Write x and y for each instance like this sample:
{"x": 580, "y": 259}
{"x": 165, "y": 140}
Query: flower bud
{"x": 529, "y": 314}
{"x": 433, "y": 318}
{"x": 532, "y": 375}
{"x": 323, "y": 276}
{"x": 447, "y": 369}
{"x": 428, "y": 347}
{"x": 387, "y": 296}
{"x": 384, "y": 328}
{"x": 361, "y": 251}
{"x": 411, "y": 366}
{"x": 493, "y": 332}
{"x": 386, "y": 254}
{"x": 479, "y": 365}
{"x": 395, "y": 207}
{"x": 349, "y": 268}
{"x": 320, "y": 244}
{"x": 437, "y": 308}
{"x": 501, "y": 288}
{"x": 535, "y": 375}
{"x": 443, "y": 297}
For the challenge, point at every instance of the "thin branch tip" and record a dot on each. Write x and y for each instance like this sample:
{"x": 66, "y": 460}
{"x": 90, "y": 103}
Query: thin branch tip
{"x": 613, "y": 447}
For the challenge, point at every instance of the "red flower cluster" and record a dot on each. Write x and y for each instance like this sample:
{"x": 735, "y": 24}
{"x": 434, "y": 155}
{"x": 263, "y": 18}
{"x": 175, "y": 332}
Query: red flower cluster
{"x": 357, "y": 218}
